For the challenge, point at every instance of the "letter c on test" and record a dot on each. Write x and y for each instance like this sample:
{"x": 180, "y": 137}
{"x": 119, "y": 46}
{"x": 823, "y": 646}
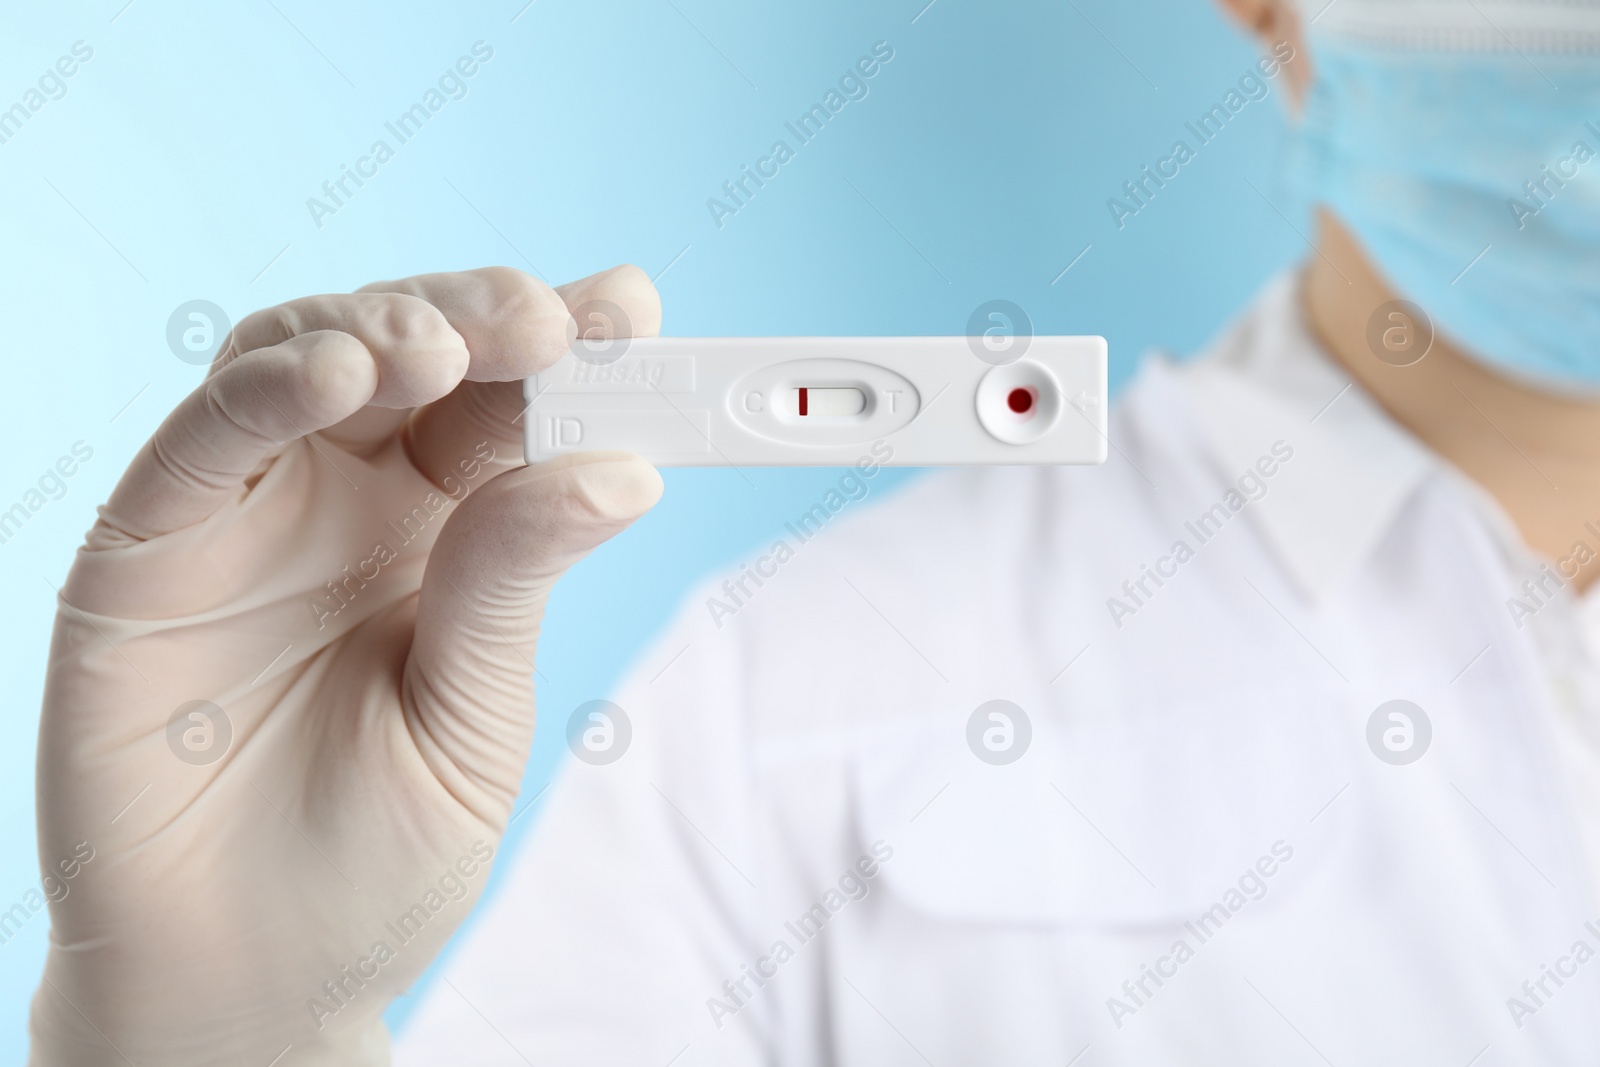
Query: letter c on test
{"x": 752, "y": 401}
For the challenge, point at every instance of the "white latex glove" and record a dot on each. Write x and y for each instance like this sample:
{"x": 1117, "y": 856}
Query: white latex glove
{"x": 370, "y": 642}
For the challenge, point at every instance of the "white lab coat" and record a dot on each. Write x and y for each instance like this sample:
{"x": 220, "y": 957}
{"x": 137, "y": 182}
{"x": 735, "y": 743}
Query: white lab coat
{"x": 1198, "y": 798}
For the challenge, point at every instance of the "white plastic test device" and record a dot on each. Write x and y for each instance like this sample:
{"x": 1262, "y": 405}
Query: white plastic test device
{"x": 822, "y": 401}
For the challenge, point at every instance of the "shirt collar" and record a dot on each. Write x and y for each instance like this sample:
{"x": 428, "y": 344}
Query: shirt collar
{"x": 1353, "y": 468}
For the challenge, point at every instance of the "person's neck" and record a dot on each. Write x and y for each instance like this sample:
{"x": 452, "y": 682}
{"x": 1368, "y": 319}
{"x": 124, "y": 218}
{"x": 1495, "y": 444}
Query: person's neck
{"x": 1538, "y": 454}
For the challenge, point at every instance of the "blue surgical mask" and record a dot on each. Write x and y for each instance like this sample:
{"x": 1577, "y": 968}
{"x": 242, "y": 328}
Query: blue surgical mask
{"x": 1471, "y": 177}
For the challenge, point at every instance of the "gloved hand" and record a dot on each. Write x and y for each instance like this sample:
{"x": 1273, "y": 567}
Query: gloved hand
{"x": 289, "y": 695}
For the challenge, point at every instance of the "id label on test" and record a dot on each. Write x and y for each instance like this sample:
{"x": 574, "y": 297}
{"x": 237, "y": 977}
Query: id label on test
{"x": 819, "y": 401}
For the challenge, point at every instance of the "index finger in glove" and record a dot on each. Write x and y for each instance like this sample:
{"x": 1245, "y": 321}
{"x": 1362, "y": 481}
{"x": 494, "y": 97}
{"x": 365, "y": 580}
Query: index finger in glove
{"x": 316, "y": 362}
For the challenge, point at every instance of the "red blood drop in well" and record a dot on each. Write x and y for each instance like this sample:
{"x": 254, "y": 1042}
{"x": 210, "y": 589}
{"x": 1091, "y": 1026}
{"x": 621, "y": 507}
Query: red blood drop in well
{"x": 1020, "y": 400}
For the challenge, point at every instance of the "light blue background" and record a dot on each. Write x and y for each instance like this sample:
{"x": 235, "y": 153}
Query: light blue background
{"x": 182, "y": 155}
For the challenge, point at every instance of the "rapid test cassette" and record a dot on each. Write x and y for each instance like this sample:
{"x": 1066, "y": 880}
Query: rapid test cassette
{"x": 823, "y": 401}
